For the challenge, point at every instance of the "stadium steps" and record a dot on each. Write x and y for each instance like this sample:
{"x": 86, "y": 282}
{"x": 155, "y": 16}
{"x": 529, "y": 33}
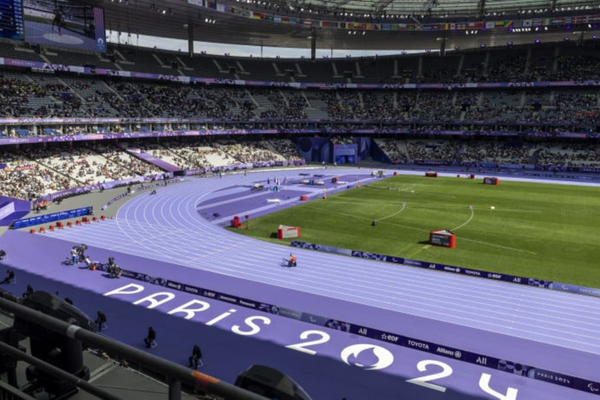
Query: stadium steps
{"x": 252, "y": 99}
{"x": 241, "y": 69}
{"x": 216, "y": 63}
{"x": 122, "y": 59}
{"x": 277, "y": 70}
{"x": 299, "y": 72}
{"x": 182, "y": 63}
{"x": 336, "y": 74}
{"x": 159, "y": 61}
{"x": 285, "y": 99}
{"x": 72, "y": 90}
{"x": 358, "y": 71}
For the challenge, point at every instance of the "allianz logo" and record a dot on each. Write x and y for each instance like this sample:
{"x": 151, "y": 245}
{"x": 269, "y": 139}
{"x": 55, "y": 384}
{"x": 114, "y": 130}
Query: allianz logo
{"x": 451, "y": 353}
{"x": 174, "y": 285}
{"x": 451, "y": 269}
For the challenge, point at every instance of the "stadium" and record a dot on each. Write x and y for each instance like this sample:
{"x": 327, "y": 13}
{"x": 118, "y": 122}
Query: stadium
{"x": 418, "y": 222}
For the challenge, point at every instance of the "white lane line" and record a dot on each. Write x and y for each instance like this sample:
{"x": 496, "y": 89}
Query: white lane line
{"x": 182, "y": 221}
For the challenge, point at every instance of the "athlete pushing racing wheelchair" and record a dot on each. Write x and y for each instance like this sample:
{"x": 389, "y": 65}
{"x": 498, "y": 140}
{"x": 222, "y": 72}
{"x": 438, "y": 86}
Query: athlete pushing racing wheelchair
{"x": 290, "y": 262}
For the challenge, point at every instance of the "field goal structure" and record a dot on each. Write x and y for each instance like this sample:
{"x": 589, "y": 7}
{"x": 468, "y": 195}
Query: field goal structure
{"x": 285, "y": 232}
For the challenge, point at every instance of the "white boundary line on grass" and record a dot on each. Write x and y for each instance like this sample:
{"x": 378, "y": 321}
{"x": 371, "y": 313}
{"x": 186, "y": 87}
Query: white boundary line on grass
{"x": 391, "y": 215}
{"x": 469, "y": 220}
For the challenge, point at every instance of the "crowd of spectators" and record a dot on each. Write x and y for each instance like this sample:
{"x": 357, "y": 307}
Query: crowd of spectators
{"x": 576, "y": 68}
{"x": 32, "y": 172}
{"x": 394, "y": 149}
{"x": 339, "y": 140}
{"x": 35, "y": 171}
{"x": 490, "y": 151}
{"x": 28, "y": 95}
{"x": 432, "y": 150}
{"x": 568, "y": 155}
{"x": 247, "y": 151}
{"x": 286, "y": 148}
{"x": 23, "y": 178}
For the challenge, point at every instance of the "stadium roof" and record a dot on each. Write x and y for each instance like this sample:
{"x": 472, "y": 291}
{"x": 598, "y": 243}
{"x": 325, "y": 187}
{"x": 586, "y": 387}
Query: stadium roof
{"x": 287, "y": 23}
{"x": 463, "y": 8}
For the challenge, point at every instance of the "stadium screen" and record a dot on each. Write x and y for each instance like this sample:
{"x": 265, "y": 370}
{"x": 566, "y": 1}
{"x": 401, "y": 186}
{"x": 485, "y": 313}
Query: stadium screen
{"x": 439, "y": 240}
{"x": 11, "y": 19}
{"x": 65, "y": 23}
{"x": 444, "y": 238}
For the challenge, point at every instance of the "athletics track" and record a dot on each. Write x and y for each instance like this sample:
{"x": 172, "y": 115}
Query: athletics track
{"x": 177, "y": 235}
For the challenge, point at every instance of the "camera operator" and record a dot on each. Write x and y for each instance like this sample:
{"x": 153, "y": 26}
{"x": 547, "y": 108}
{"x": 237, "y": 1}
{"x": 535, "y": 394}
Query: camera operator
{"x": 113, "y": 269}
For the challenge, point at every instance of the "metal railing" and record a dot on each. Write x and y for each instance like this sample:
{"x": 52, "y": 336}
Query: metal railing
{"x": 175, "y": 373}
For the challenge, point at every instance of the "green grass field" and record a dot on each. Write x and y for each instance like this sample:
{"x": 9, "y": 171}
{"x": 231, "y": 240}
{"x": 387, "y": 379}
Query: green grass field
{"x": 537, "y": 230}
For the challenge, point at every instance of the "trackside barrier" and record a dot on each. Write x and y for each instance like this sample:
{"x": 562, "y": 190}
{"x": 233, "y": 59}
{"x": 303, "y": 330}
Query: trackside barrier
{"x": 57, "y": 216}
{"x": 237, "y": 167}
{"x": 376, "y": 334}
{"x": 175, "y": 373}
{"x": 143, "y": 187}
{"x": 521, "y": 280}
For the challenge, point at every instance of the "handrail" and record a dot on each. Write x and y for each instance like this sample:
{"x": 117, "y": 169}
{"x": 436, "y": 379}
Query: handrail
{"x": 57, "y": 372}
{"x": 176, "y": 373}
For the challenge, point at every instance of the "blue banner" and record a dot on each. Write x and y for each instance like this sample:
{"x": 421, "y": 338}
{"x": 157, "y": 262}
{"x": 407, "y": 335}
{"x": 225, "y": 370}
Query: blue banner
{"x": 57, "y": 216}
{"x": 521, "y": 280}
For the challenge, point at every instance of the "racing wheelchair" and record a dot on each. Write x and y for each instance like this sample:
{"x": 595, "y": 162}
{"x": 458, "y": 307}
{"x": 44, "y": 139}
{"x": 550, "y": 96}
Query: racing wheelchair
{"x": 286, "y": 262}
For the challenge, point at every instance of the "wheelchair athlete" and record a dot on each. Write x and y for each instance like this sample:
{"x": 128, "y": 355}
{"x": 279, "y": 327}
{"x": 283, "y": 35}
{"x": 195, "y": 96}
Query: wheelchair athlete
{"x": 292, "y": 262}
